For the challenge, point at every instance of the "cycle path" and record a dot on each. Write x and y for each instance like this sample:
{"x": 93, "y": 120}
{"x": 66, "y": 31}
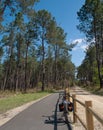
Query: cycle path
{"x": 42, "y": 115}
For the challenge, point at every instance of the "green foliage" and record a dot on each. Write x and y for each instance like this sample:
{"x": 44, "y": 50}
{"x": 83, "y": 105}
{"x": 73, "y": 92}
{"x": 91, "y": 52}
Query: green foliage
{"x": 1, "y": 70}
{"x": 1, "y": 52}
{"x": 91, "y": 20}
{"x": 35, "y": 49}
{"x": 88, "y": 69}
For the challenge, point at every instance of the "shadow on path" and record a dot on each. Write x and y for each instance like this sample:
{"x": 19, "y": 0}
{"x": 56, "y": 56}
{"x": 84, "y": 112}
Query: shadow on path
{"x": 55, "y": 120}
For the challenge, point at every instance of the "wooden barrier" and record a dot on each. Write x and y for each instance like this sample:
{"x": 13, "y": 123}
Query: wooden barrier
{"x": 67, "y": 93}
{"x": 89, "y": 117}
{"x": 89, "y": 113}
{"x": 75, "y": 109}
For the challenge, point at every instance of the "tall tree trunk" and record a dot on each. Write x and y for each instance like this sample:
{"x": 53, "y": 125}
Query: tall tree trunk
{"x": 55, "y": 70}
{"x": 101, "y": 42}
{"x": 5, "y": 80}
{"x": 98, "y": 54}
{"x": 18, "y": 64}
{"x": 26, "y": 58}
{"x": 43, "y": 65}
{"x": 16, "y": 79}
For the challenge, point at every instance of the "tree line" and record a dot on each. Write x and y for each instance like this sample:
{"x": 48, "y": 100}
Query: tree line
{"x": 33, "y": 48}
{"x": 91, "y": 24}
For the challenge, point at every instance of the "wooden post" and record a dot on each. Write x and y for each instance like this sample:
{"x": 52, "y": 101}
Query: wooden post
{"x": 89, "y": 116}
{"x": 75, "y": 108}
{"x": 69, "y": 97}
{"x": 67, "y": 94}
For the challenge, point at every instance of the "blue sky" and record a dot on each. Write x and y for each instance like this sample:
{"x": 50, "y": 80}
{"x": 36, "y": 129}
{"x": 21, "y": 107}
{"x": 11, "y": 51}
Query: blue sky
{"x": 65, "y": 13}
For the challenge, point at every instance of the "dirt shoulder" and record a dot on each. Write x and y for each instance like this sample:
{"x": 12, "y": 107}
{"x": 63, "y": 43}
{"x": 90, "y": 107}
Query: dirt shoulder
{"x": 97, "y": 105}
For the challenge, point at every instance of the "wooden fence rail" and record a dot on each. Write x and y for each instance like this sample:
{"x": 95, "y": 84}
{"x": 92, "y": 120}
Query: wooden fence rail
{"x": 89, "y": 112}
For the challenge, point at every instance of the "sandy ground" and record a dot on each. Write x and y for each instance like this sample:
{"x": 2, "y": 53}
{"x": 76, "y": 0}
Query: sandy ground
{"x": 97, "y": 105}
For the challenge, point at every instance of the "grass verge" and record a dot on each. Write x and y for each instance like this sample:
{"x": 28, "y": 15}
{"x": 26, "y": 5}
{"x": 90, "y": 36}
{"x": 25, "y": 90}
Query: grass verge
{"x": 18, "y": 100}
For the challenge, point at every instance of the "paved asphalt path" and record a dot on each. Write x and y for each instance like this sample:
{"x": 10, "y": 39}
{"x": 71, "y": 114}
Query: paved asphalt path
{"x": 42, "y": 115}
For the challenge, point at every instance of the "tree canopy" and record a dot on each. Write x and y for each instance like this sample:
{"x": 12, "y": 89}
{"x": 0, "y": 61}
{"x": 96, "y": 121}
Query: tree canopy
{"x": 91, "y": 23}
{"x": 33, "y": 51}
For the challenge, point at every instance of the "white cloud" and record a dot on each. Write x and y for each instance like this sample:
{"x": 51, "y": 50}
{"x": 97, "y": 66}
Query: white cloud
{"x": 84, "y": 47}
{"x": 78, "y": 41}
{"x": 81, "y": 44}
